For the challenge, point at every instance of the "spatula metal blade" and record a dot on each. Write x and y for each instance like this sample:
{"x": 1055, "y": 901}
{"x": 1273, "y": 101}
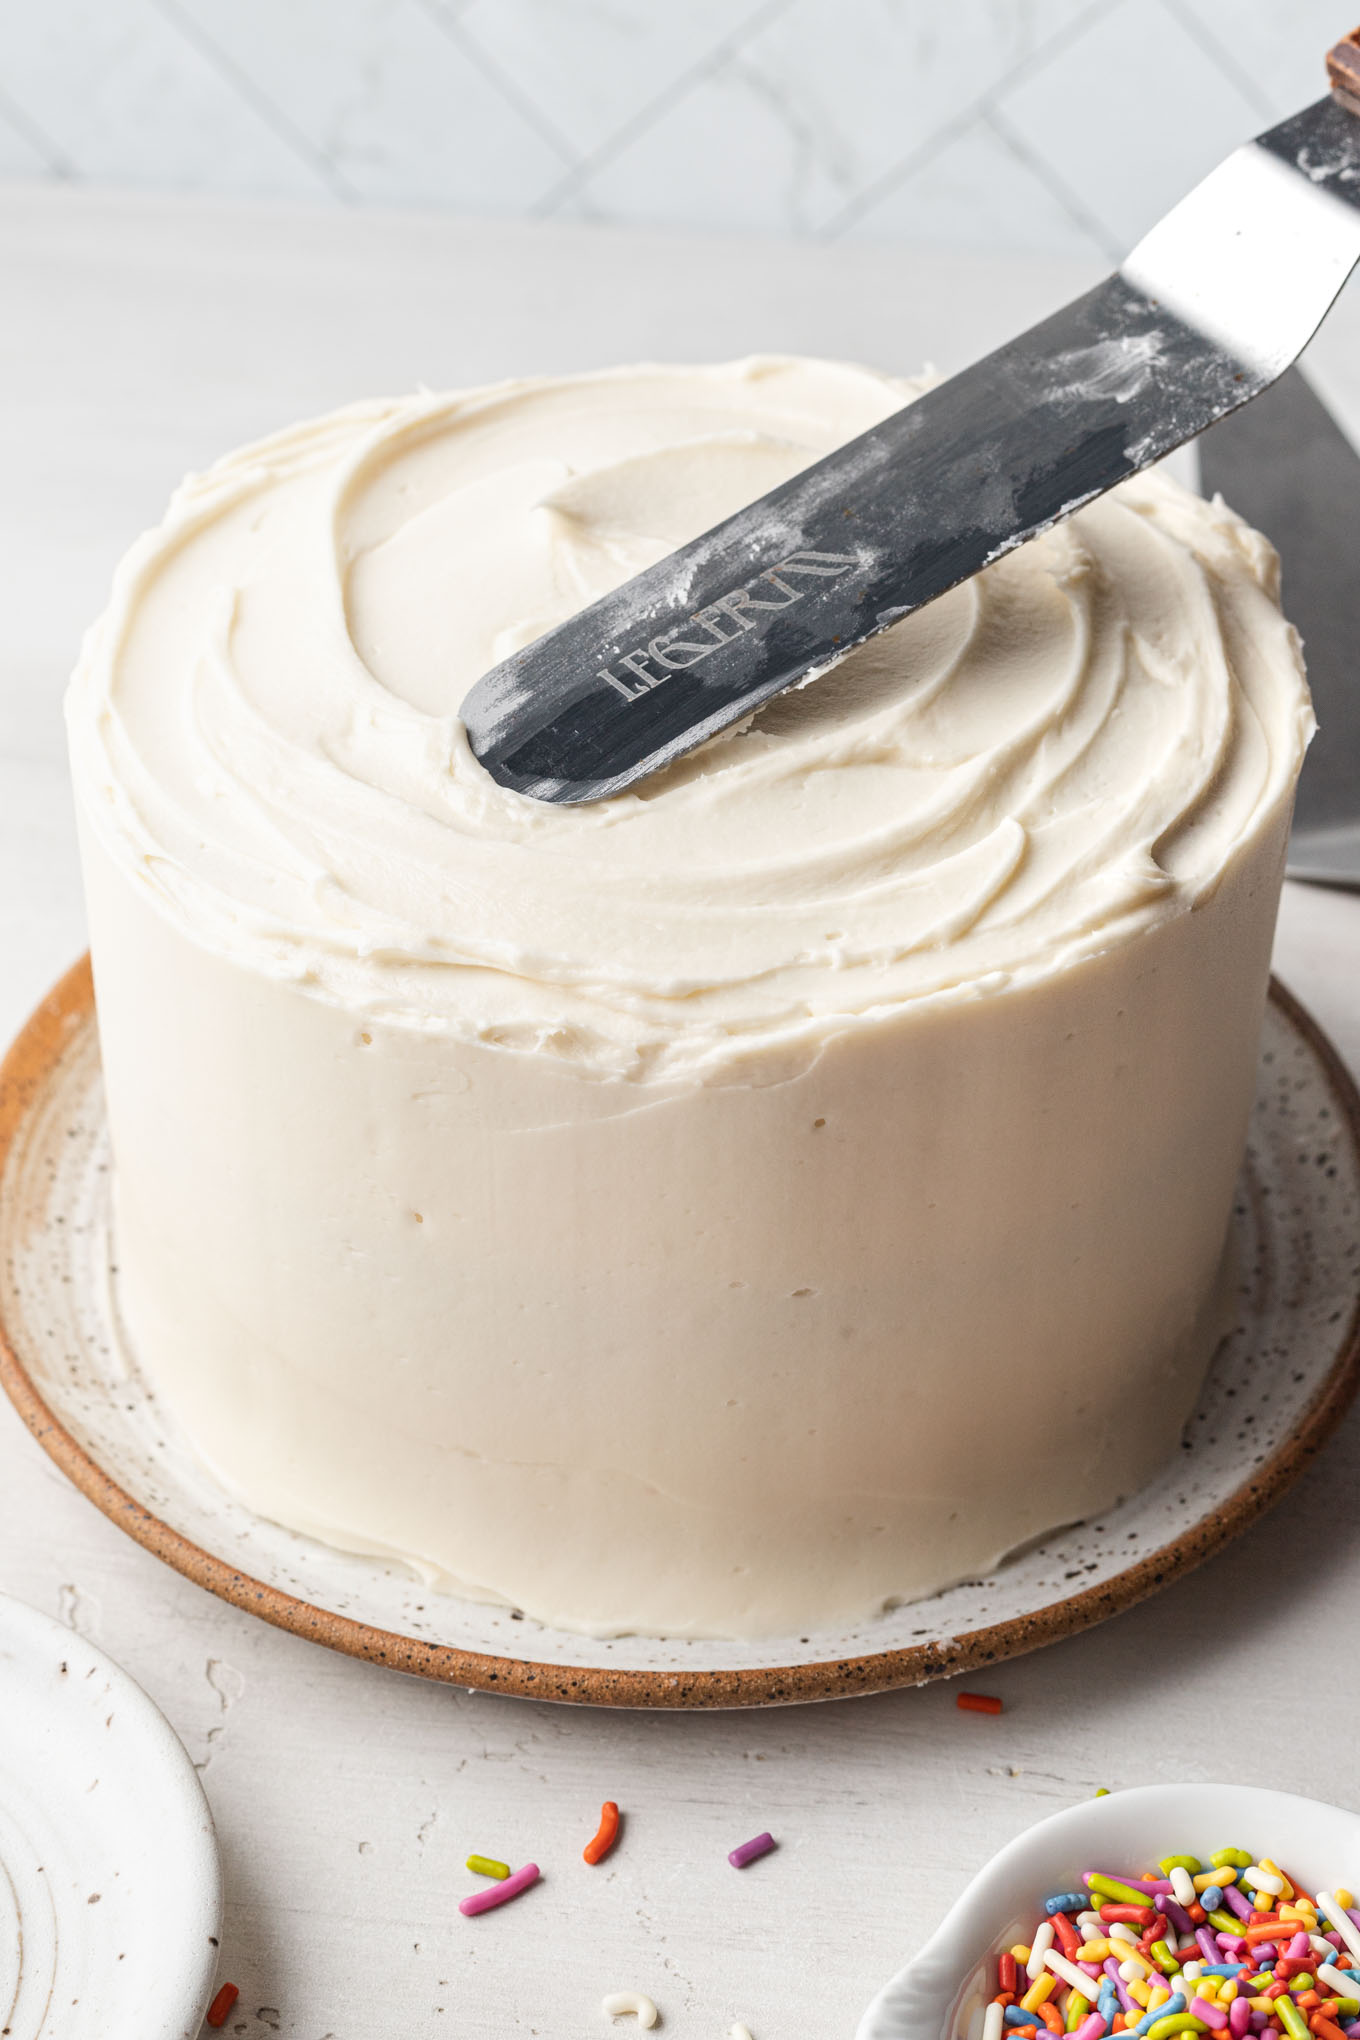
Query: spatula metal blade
{"x": 1209, "y": 309}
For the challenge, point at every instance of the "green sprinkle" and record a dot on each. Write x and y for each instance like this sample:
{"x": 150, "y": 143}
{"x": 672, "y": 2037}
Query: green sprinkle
{"x": 1168, "y": 1963}
{"x": 1111, "y": 1889}
{"x": 1291, "y": 2018}
{"x": 1178, "y": 2022}
{"x": 1102, "y": 1792}
{"x": 1226, "y": 1922}
{"x": 1077, "y": 2009}
{"x": 1348, "y": 2008}
{"x": 1190, "y": 1864}
{"x": 1230, "y": 1859}
{"x": 487, "y": 1866}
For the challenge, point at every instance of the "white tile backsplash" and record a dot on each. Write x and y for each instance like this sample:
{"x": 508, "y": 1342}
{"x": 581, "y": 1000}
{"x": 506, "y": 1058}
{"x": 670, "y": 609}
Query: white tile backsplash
{"x": 1046, "y": 126}
{"x": 1138, "y": 93}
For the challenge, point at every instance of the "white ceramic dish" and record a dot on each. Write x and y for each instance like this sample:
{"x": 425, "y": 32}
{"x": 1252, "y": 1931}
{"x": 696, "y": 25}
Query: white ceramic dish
{"x": 936, "y": 1996}
{"x": 1278, "y": 1384}
{"x": 110, "y": 1889}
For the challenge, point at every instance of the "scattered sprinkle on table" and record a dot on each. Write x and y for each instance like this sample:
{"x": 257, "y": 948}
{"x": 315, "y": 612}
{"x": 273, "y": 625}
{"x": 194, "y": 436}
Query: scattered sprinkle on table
{"x": 1232, "y": 1948}
{"x": 221, "y": 2005}
{"x": 605, "y": 1835}
{"x": 624, "y": 2001}
{"x": 487, "y": 1866}
{"x": 739, "y": 2032}
{"x": 978, "y": 1703}
{"x": 760, "y": 1845}
{"x": 500, "y": 1894}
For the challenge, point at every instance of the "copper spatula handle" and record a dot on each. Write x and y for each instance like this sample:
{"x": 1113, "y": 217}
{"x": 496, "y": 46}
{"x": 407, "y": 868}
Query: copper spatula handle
{"x": 1343, "y": 71}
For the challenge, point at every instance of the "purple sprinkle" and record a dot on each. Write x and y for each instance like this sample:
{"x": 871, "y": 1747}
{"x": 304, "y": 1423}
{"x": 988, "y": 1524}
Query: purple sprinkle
{"x": 1178, "y": 1916}
{"x": 1208, "y": 1946}
{"x": 1265, "y": 1951}
{"x": 1235, "y": 1902}
{"x": 1233, "y": 1944}
{"x": 748, "y": 1852}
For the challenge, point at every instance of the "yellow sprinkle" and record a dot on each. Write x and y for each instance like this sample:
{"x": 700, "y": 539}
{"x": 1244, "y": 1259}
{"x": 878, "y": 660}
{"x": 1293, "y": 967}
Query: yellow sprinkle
{"x": 1158, "y": 1995}
{"x": 1344, "y": 1897}
{"x": 1039, "y": 1992}
{"x": 1093, "y": 1951}
{"x": 1229, "y": 1991}
{"x": 1142, "y": 1992}
{"x": 1275, "y": 1871}
{"x": 1021, "y": 1953}
{"x": 1218, "y": 1877}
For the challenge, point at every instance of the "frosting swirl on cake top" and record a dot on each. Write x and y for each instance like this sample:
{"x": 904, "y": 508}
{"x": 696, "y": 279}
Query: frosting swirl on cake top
{"x": 1070, "y": 745}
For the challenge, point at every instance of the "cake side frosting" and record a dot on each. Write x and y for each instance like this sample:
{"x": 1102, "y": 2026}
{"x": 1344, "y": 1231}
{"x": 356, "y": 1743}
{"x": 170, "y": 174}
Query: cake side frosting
{"x": 727, "y": 1208}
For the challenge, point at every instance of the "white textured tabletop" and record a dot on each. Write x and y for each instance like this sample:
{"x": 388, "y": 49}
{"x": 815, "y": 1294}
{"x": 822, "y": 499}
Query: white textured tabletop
{"x": 141, "y": 337}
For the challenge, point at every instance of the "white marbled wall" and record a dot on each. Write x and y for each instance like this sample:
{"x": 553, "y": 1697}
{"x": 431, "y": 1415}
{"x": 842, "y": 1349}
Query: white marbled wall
{"x": 1054, "y": 126}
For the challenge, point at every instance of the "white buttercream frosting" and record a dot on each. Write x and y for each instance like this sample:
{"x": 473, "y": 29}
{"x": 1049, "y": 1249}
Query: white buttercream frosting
{"x": 1035, "y": 765}
{"x": 737, "y": 1204}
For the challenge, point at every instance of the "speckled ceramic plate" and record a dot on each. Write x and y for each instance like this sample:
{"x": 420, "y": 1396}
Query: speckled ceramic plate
{"x": 1277, "y": 1386}
{"x": 110, "y": 1891}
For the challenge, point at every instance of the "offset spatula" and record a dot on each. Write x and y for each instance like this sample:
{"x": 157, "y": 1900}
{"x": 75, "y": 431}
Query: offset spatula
{"x": 1209, "y": 309}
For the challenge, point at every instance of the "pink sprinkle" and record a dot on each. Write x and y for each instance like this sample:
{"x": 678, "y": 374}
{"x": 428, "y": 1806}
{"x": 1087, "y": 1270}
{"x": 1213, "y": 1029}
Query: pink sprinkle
{"x": 1298, "y": 1946}
{"x": 1091, "y": 2028}
{"x": 748, "y": 1852}
{"x": 500, "y": 1894}
{"x": 1239, "y": 2018}
{"x": 1212, "y": 2015}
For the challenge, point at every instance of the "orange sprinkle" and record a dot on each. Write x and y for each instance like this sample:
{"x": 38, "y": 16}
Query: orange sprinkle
{"x": 222, "y": 2004}
{"x": 605, "y": 1836}
{"x": 1051, "y": 2017}
{"x": 979, "y": 1703}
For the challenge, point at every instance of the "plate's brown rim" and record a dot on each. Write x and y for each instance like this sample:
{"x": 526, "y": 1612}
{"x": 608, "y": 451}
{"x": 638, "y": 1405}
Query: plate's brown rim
{"x": 29, "y": 1067}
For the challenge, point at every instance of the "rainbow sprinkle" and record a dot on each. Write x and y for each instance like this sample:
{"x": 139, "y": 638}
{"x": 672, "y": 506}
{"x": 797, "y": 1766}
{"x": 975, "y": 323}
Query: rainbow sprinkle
{"x": 1230, "y": 1947}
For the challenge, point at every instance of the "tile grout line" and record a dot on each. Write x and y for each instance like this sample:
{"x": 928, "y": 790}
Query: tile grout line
{"x": 879, "y": 187}
{"x": 59, "y": 164}
{"x": 1053, "y": 183}
{"x": 1222, "y": 57}
{"x": 259, "y": 102}
{"x": 671, "y": 95}
{"x": 451, "y": 25}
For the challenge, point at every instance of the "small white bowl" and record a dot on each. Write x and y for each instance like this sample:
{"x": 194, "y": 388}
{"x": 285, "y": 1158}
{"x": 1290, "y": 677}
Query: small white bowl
{"x": 936, "y": 1995}
{"x": 110, "y": 1888}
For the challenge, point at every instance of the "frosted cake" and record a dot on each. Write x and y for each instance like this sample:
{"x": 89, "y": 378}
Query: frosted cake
{"x": 733, "y": 1207}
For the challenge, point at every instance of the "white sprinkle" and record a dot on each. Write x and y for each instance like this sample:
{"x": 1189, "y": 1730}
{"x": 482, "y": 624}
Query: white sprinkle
{"x": 1257, "y": 1879}
{"x": 1341, "y": 1920}
{"x": 1192, "y": 1971}
{"x": 1119, "y": 1932}
{"x": 1135, "y": 1969}
{"x": 1336, "y": 1979}
{"x": 1183, "y": 1886}
{"x": 1042, "y": 1942}
{"x": 740, "y": 2032}
{"x": 631, "y": 2001}
{"x": 1068, "y": 1971}
{"x": 1092, "y": 1926}
{"x": 993, "y": 2024}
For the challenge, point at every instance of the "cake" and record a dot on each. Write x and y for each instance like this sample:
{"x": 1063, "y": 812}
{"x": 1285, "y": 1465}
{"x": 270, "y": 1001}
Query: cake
{"x": 738, "y": 1206}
